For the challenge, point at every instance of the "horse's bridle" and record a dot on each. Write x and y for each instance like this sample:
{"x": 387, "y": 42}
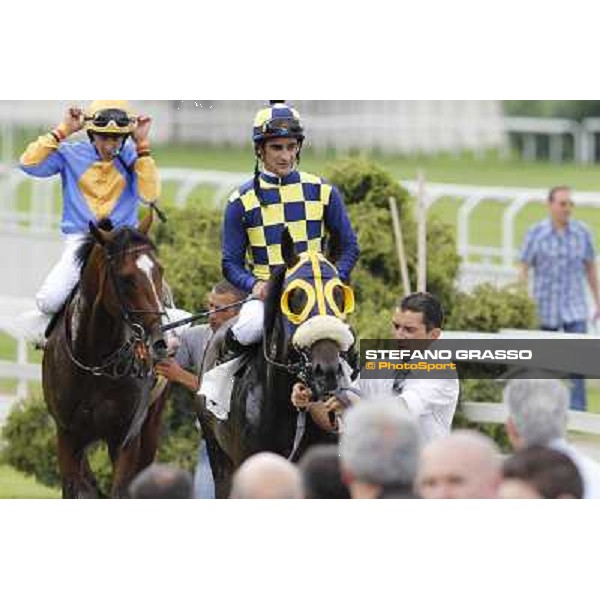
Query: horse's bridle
{"x": 126, "y": 313}
{"x": 303, "y": 372}
{"x": 123, "y": 361}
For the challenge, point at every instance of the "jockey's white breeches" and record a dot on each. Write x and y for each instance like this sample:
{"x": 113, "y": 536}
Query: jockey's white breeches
{"x": 249, "y": 327}
{"x": 63, "y": 277}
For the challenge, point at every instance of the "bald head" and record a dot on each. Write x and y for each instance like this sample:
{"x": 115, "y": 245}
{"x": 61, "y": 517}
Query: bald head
{"x": 466, "y": 464}
{"x": 265, "y": 476}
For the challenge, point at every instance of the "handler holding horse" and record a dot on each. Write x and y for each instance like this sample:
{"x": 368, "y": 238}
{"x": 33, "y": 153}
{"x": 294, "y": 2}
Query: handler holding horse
{"x": 103, "y": 177}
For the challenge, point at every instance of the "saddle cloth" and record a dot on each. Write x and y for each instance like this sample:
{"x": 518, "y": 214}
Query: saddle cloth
{"x": 217, "y": 385}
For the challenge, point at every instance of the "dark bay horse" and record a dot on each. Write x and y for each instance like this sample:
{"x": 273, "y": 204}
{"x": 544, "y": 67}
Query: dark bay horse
{"x": 304, "y": 337}
{"x": 97, "y": 366}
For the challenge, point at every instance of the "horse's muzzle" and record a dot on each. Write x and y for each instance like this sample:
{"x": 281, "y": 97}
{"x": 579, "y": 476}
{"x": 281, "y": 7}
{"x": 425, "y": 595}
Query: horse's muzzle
{"x": 325, "y": 379}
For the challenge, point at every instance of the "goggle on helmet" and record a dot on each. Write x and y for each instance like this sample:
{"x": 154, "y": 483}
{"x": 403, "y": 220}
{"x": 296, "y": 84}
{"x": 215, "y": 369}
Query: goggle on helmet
{"x": 277, "y": 121}
{"x": 109, "y": 117}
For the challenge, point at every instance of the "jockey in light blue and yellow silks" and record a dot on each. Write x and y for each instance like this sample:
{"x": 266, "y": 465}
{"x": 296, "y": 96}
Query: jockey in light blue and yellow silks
{"x": 93, "y": 188}
{"x": 103, "y": 177}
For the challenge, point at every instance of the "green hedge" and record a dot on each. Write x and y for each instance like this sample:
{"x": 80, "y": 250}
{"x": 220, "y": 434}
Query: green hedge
{"x": 29, "y": 441}
{"x": 366, "y": 188}
{"x": 190, "y": 248}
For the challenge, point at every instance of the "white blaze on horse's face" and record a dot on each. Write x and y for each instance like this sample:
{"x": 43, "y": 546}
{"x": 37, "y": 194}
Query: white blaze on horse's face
{"x": 145, "y": 264}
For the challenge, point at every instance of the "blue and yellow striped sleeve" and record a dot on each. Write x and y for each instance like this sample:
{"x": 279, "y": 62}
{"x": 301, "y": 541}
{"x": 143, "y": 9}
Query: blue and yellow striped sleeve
{"x": 336, "y": 220}
{"x": 41, "y": 158}
{"x": 234, "y": 246}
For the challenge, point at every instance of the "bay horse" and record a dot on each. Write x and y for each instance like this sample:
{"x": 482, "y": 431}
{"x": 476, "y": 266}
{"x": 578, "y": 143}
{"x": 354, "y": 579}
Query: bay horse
{"x": 304, "y": 338}
{"x": 97, "y": 365}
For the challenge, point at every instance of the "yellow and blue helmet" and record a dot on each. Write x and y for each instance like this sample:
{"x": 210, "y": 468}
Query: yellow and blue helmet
{"x": 110, "y": 117}
{"x": 277, "y": 121}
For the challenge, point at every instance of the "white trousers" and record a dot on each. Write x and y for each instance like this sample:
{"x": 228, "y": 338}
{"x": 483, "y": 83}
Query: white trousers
{"x": 249, "y": 327}
{"x": 63, "y": 277}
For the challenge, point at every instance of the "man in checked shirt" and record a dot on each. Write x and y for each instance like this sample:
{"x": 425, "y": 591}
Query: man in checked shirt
{"x": 560, "y": 251}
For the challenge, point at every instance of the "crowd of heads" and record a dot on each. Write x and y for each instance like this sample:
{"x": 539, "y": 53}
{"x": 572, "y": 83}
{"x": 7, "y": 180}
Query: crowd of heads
{"x": 381, "y": 455}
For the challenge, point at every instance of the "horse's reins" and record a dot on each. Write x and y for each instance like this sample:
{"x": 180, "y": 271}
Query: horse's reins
{"x": 202, "y": 315}
{"x": 301, "y": 370}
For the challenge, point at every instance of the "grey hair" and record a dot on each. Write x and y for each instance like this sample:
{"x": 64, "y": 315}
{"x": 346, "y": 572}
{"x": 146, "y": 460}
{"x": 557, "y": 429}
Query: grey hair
{"x": 380, "y": 443}
{"x": 538, "y": 408}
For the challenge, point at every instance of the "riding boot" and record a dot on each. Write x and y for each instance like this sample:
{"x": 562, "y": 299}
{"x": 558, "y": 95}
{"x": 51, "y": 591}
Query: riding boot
{"x": 231, "y": 348}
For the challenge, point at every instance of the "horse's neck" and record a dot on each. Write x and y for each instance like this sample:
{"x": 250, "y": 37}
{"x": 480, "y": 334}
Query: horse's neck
{"x": 98, "y": 332}
{"x": 277, "y": 350}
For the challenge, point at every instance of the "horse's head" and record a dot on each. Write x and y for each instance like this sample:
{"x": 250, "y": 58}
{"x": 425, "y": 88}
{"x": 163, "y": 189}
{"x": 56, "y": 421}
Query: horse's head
{"x": 125, "y": 277}
{"x": 314, "y": 304}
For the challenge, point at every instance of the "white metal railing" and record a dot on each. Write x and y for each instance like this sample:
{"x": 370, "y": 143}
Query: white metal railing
{"x": 583, "y": 134}
{"x": 555, "y": 129}
{"x": 479, "y": 262}
{"x": 495, "y": 412}
{"x": 492, "y": 412}
{"x": 18, "y": 369}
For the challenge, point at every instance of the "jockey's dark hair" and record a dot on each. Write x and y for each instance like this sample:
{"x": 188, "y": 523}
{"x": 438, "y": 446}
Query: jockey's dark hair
{"x": 224, "y": 287}
{"x": 555, "y": 189}
{"x": 426, "y": 304}
{"x": 123, "y": 238}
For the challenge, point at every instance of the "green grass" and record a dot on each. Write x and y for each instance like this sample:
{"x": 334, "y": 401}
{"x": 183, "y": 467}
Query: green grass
{"x": 463, "y": 169}
{"x": 485, "y": 225}
{"x": 14, "y": 484}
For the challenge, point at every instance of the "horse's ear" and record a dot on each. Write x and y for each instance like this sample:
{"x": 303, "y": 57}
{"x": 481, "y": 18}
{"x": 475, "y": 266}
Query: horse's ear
{"x": 146, "y": 222}
{"x": 100, "y": 235}
{"x": 288, "y": 251}
{"x": 334, "y": 247}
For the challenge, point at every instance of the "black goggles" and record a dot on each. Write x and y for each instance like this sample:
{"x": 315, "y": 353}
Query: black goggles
{"x": 119, "y": 117}
{"x": 287, "y": 126}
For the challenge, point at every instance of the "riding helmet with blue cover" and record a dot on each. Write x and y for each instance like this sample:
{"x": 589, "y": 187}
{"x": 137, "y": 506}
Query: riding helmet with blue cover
{"x": 279, "y": 120}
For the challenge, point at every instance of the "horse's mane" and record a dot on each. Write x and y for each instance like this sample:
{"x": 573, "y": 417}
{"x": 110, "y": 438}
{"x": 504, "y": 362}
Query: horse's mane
{"x": 272, "y": 300}
{"x": 123, "y": 238}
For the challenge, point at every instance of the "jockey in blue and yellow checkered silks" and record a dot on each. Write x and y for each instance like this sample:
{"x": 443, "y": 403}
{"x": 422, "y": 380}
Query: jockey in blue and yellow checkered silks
{"x": 260, "y": 209}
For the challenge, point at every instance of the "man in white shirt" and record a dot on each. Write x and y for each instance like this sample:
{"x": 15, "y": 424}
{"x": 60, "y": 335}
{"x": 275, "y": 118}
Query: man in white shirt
{"x": 537, "y": 416}
{"x": 431, "y": 401}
